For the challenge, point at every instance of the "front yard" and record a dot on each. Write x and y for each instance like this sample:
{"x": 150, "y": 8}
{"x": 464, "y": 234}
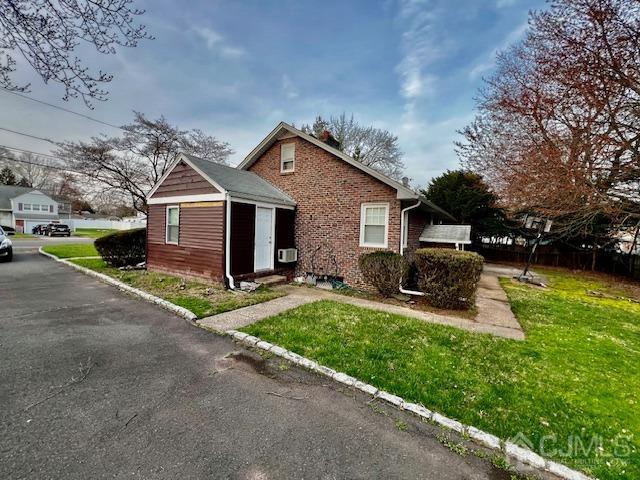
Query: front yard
{"x": 70, "y": 250}
{"x": 203, "y": 299}
{"x": 570, "y": 391}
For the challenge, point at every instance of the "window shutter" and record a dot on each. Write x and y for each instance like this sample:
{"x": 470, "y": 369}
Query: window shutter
{"x": 50, "y": 208}
{"x": 19, "y": 206}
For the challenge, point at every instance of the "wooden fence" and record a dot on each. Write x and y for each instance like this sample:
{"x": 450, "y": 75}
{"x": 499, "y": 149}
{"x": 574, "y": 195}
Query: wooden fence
{"x": 606, "y": 262}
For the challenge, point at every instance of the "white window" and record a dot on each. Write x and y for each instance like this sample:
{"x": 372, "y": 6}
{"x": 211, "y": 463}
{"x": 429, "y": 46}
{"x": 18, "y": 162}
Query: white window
{"x": 36, "y": 207}
{"x": 44, "y": 208}
{"x": 27, "y": 207}
{"x": 173, "y": 225}
{"x": 287, "y": 157}
{"x": 374, "y": 225}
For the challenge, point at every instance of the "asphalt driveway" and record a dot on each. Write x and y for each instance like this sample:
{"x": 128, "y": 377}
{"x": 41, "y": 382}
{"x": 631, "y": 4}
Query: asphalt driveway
{"x": 98, "y": 384}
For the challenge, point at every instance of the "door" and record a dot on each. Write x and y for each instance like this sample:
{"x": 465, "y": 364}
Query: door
{"x": 263, "y": 241}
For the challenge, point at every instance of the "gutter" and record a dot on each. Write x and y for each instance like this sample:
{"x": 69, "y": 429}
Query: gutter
{"x": 227, "y": 243}
{"x": 402, "y": 212}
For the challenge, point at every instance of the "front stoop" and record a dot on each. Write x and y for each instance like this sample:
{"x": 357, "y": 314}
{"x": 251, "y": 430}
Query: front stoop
{"x": 271, "y": 280}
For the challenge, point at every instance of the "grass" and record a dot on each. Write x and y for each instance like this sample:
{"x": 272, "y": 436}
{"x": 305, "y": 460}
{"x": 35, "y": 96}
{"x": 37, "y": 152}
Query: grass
{"x": 69, "y": 250}
{"x": 570, "y": 391}
{"x": 22, "y": 235}
{"x": 203, "y": 299}
{"x": 92, "y": 232}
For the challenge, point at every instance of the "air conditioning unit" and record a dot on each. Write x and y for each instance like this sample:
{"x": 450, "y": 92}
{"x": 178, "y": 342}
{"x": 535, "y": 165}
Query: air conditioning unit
{"x": 287, "y": 255}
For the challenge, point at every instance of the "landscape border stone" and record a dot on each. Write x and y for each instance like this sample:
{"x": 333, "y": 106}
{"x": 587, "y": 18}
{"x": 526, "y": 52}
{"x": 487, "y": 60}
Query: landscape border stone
{"x": 520, "y": 454}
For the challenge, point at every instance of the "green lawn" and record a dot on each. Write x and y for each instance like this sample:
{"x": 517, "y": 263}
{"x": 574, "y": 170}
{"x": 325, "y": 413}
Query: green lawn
{"x": 574, "y": 380}
{"x": 22, "y": 235}
{"x": 203, "y": 299}
{"x": 69, "y": 250}
{"x": 92, "y": 232}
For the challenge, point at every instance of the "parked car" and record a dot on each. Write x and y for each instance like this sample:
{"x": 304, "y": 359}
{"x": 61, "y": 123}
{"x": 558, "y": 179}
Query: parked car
{"x": 39, "y": 229}
{"x": 6, "y": 248}
{"x": 57, "y": 229}
{"x": 8, "y": 230}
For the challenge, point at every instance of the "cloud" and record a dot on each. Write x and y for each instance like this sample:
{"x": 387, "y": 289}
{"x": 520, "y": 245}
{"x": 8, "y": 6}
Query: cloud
{"x": 505, "y": 3}
{"x": 217, "y": 44}
{"x": 288, "y": 87}
{"x": 489, "y": 61}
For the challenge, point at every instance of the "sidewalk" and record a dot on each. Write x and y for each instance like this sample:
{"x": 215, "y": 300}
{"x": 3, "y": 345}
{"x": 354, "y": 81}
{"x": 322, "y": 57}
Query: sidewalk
{"x": 494, "y": 313}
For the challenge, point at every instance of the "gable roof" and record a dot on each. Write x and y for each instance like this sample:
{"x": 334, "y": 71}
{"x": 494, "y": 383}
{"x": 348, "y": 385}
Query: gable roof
{"x": 237, "y": 183}
{"x": 446, "y": 234}
{"x": 7, "y": 192}
{"x": 403, "y": 193}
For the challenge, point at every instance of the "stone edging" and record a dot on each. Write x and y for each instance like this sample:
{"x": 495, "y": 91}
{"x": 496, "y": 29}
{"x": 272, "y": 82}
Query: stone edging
{"x": 183, "y": 312}
{"x": 517, "y": 452}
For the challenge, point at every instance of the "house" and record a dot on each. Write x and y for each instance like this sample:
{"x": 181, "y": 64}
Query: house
{"x": 295, "y": 206}
{"x": 22, "y": 208}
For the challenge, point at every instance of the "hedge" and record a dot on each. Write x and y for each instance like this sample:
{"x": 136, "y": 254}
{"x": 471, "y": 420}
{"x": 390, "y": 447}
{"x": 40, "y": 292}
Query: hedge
{"x": 384, "y": 270}
{"x": 126, "y": 247}
{"x": 449, "y": 278}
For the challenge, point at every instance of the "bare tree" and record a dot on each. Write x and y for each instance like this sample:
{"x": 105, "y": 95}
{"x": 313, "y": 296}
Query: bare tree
{"x": 35, "y": 171}
{"x": 46, "y": 34}
{"x": 372, "y": 146}
{"x": 558, "y": 128}
{"x": 127, "y": 167}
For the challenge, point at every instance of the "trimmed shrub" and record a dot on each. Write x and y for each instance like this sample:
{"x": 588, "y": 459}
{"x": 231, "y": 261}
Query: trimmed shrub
{"x": 383, "y": 270}
{"x": 449, "y": 278}
{"x": 126, "y": 247}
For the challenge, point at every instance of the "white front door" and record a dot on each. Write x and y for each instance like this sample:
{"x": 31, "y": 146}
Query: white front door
{"x": 264, "y": 244}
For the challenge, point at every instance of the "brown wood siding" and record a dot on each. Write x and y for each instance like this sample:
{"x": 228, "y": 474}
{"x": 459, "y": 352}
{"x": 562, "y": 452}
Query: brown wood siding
{"x": 200, "y": 249}
{"x": 243, "y": 226}
{"x": 183, "y": 180}
{"x": 285, "y": 233}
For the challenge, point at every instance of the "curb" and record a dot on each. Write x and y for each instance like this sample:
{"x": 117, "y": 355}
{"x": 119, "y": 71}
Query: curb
{"x": 182, "y": 312}
{"x": 510, "y": 449}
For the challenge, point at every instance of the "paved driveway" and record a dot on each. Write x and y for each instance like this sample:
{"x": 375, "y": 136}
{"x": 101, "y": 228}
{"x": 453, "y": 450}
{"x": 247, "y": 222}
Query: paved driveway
{"x": 97, "y": 384}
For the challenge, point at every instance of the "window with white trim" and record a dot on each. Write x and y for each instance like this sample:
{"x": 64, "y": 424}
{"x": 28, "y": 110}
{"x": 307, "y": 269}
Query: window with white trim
{"x": 44, "y": 208}
{"x": 287, "y": 157}
{"x": 36, "y": 207}
{"x": 374, "y": 225}
{"x": 26, "y": 207}
{"x": 173, "y": 225}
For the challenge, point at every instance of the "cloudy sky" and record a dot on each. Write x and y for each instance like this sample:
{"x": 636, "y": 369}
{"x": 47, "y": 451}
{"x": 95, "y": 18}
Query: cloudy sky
{"x": 236, "y": 68}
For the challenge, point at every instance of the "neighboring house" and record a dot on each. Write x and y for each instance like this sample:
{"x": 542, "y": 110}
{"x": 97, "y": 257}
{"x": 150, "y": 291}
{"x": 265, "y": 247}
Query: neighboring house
{"x": 294, "y": 206}
{"x": 23, "y": 208}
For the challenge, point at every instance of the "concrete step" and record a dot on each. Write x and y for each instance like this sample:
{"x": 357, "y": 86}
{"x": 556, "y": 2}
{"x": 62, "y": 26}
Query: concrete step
{"x": 271, "y": 280}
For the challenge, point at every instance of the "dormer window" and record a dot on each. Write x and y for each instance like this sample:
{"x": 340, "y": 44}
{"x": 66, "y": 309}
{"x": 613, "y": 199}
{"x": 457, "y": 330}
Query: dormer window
{"x": 287, "y": 157}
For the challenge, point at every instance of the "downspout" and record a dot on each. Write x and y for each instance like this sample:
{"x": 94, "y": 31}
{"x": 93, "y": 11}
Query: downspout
{"x": 227, "y": 243}
{"x": 402, "y": 214}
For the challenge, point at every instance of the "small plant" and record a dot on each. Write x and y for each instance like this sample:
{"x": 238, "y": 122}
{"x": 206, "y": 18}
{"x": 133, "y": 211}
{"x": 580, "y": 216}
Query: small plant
{"x": 123, "y": 248}
{"x": 449, "y": 278}
{"x": 402, "y": 426}
{"x": 383, "y": 270}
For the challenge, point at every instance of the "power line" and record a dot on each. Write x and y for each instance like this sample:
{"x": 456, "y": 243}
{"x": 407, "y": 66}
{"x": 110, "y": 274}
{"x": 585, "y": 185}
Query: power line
{"x": 22, "y": 150}
{"x": 63, "y": 109}
{"x": 28, "y": 135}
{"x": 54, "y": 167}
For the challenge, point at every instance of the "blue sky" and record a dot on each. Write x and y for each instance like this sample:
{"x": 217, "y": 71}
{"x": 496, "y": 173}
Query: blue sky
{"x": 237, "y": 68}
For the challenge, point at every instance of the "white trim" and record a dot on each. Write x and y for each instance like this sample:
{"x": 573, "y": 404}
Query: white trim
{"x": 205, "y": 197}
{"x": 261, "y": 204}
{"x": 363, "y": 208}
{"x": 166, "y": 225}
{"x": 272, "y": 243}
{"x": 164, "y": 176}
{"x": 404, "y": 223}
{"x": 282, "y": 160}
{"x": 227, "y": 244}
{"x": 445, "y": 240}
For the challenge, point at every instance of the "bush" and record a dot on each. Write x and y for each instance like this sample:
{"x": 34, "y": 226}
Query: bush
{"x": 449, "y": 278}
{"x": 126, "y": 247}
{"x": 383, "y": 270}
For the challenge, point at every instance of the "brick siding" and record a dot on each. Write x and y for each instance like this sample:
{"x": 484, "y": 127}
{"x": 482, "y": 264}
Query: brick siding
{"x": 329, "y": 193}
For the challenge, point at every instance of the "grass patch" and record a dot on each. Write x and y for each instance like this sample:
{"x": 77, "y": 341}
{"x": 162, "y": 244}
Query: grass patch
{"x": 22, "y": 235}
{"x": 571, "y": 388}
{"x": 69, "y": 250}
{"x": 93, "y": 232}
{"x": 203, "y": 299}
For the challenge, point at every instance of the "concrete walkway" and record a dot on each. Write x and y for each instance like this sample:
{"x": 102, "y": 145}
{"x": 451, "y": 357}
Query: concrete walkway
{"x": 494, "y": 313}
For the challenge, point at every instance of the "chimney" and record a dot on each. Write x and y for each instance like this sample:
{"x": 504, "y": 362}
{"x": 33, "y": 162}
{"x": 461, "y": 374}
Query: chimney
{"x": 329, "y": 139}
{"x": 405, "y": 181}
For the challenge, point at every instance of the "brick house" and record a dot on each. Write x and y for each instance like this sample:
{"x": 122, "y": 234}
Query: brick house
{"x": 294, "y": 206}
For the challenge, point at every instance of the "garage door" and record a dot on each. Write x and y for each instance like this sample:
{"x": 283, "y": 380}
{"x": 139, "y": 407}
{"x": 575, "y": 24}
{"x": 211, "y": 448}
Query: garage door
{"x": 29, "y": 224}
